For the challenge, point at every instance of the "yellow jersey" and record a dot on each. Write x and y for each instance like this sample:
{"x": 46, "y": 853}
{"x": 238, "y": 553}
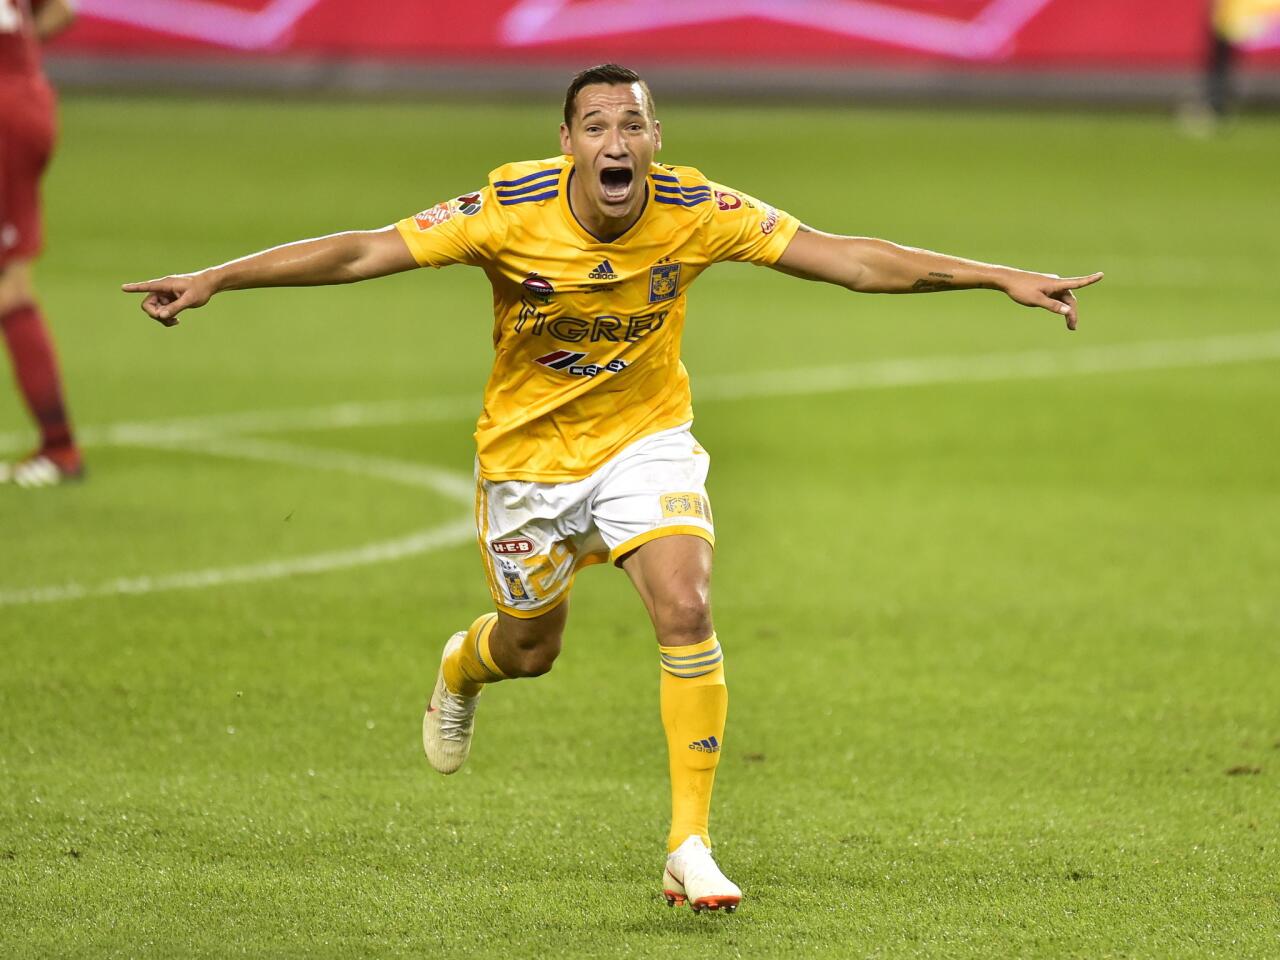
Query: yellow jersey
{"x": 586, "y": 333}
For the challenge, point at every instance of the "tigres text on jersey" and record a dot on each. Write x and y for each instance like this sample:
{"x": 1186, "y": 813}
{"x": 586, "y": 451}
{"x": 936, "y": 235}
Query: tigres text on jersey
{"x": 587, "y": 334}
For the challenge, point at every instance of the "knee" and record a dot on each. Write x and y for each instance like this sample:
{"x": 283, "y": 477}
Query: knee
{"x": 683, "y": 618}
{"x": 531, "y": 654}
{"x": 536, "y": 661}
{"x": 15, "y": 288}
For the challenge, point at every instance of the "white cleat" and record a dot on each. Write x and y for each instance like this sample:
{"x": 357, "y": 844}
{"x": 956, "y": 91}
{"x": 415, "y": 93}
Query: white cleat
{"x": 450, "y": 720}
{"x": 36, "y": 471}
{"x": 693, "y": 877}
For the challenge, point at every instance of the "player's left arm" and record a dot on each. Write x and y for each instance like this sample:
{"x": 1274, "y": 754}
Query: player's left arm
{"x": 867, "y": 265}
{"x": 52, "y": 17}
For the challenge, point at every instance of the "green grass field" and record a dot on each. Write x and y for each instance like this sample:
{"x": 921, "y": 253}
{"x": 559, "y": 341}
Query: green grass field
{"x": 1002, "y": 652}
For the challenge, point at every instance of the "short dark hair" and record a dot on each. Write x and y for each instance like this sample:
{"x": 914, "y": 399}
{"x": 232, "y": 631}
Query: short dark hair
{"x": 610, "y": 73}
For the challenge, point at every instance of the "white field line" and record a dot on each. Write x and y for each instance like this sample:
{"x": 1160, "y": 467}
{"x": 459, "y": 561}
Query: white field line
{"x": 424, "y": 541}
{"x": 985, "y": 368}
{"x": 329, "y": 417}
{"x": 447, "y": 483}
{"x": 803, "y": 381}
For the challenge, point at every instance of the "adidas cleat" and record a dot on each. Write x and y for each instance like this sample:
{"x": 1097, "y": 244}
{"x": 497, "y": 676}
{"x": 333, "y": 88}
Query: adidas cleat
{"x": 450, "y": 720}
{"x": 692, "y": 877}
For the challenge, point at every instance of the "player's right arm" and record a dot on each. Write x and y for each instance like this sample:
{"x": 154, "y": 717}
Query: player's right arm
{"x": 338, "y": 258}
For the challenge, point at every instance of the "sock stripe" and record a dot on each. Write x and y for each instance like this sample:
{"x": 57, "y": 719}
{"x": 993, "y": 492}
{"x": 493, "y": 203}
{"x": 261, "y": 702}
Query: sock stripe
{"x": 705, "y": 662}
{"x": 689, "y": 672}
{"x": 672, "y": 658}
{"x": 688, "y": 663}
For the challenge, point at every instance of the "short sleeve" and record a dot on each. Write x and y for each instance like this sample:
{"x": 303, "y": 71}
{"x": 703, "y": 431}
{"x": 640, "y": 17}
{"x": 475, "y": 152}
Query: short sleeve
{"x": 744, "y": 228}
{"x": 467, "y": 229}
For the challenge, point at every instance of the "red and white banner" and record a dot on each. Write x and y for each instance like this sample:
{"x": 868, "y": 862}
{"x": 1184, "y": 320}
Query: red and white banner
{"x": 1056, "y": 34}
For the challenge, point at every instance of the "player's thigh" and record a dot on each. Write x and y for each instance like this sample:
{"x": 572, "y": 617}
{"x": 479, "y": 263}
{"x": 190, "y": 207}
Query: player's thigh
{"x": 653, "y": 512}
{"x": 673, "y": 577}
{"x": 534, "y": 537}
{"x": 26, "y": 143}
{"x": 657, "y": 489}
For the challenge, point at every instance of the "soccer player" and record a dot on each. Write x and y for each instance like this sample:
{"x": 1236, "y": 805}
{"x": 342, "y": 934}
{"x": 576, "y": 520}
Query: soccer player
{"x": 1233, "y": 23}
{"x": 584, "y": 449}
{"x": 26, "y": 141}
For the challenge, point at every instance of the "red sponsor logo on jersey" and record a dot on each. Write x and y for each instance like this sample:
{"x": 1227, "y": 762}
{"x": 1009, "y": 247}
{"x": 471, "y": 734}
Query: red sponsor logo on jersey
{"x": 512, "y": 545}
{"x": 434, "y": 216}
{"x": 539, "y": 287}
{"x": 567, "y": 361}
{"x": 769, "y": 222}
{"x": 728, "y": 201}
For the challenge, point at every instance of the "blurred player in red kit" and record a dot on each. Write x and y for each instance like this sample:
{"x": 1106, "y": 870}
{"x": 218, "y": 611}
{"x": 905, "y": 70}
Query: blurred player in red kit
{"x": 27, "y": 133}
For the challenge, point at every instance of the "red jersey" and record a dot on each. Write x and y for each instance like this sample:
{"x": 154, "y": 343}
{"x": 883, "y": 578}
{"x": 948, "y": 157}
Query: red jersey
{"x": 19, "y": 46}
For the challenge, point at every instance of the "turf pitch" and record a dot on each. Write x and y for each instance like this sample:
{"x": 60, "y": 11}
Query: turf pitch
{"x": 1002, "y": 655}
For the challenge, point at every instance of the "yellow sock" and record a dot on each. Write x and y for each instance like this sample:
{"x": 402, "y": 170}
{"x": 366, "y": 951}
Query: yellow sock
{"x": 471, "y": 666}
{"x": 694, "y": 702}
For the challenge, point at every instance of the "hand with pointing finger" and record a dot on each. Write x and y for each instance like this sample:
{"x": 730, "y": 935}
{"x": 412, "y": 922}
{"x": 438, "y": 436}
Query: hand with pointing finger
{"x": 169, "y": 296}
{"x": 1048, "y": 291}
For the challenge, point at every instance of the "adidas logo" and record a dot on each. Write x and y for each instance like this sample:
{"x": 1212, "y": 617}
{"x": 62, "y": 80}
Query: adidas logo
{"x": 603, "y": 272}
{"x": 709, "y": 745}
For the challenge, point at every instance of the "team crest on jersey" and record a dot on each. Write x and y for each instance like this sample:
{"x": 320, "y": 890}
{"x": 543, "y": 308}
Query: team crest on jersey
{"x": 515, "y": 586}
{"x": 664, "y": 282}
{"x": 685, "y": 505}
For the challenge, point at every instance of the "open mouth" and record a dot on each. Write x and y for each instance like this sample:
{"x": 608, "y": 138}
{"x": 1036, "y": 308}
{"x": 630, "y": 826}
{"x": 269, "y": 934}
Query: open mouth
{"x": 615, "y": 183}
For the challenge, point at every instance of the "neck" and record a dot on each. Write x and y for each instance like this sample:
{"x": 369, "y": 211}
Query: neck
{"x": 595, "y": 221}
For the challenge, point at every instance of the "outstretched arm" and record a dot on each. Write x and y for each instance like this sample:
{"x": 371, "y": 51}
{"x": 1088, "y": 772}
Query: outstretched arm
{"x": 339, "y": 258}
{"x": 878, "y": 266}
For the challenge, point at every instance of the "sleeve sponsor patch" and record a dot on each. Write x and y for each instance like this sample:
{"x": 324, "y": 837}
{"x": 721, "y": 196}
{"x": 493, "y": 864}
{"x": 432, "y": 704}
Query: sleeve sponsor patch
{"x": 468, "y": 204}
{"x": 727, "y": 201}
{"x": 434, "y": 216}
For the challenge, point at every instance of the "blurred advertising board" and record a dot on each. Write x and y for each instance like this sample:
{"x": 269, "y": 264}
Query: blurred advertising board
{"x": 1021, "y": 34}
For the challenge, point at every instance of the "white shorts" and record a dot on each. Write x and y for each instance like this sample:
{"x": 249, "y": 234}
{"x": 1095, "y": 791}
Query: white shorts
{"x": 535, "y": 536}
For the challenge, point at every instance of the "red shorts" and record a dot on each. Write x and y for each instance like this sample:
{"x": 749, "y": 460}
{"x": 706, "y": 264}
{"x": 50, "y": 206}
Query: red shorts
{"x": 27, "y": 133}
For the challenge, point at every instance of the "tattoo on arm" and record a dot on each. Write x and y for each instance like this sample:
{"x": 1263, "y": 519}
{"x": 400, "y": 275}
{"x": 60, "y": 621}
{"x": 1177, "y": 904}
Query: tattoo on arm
{"x": 933, "y": 283}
